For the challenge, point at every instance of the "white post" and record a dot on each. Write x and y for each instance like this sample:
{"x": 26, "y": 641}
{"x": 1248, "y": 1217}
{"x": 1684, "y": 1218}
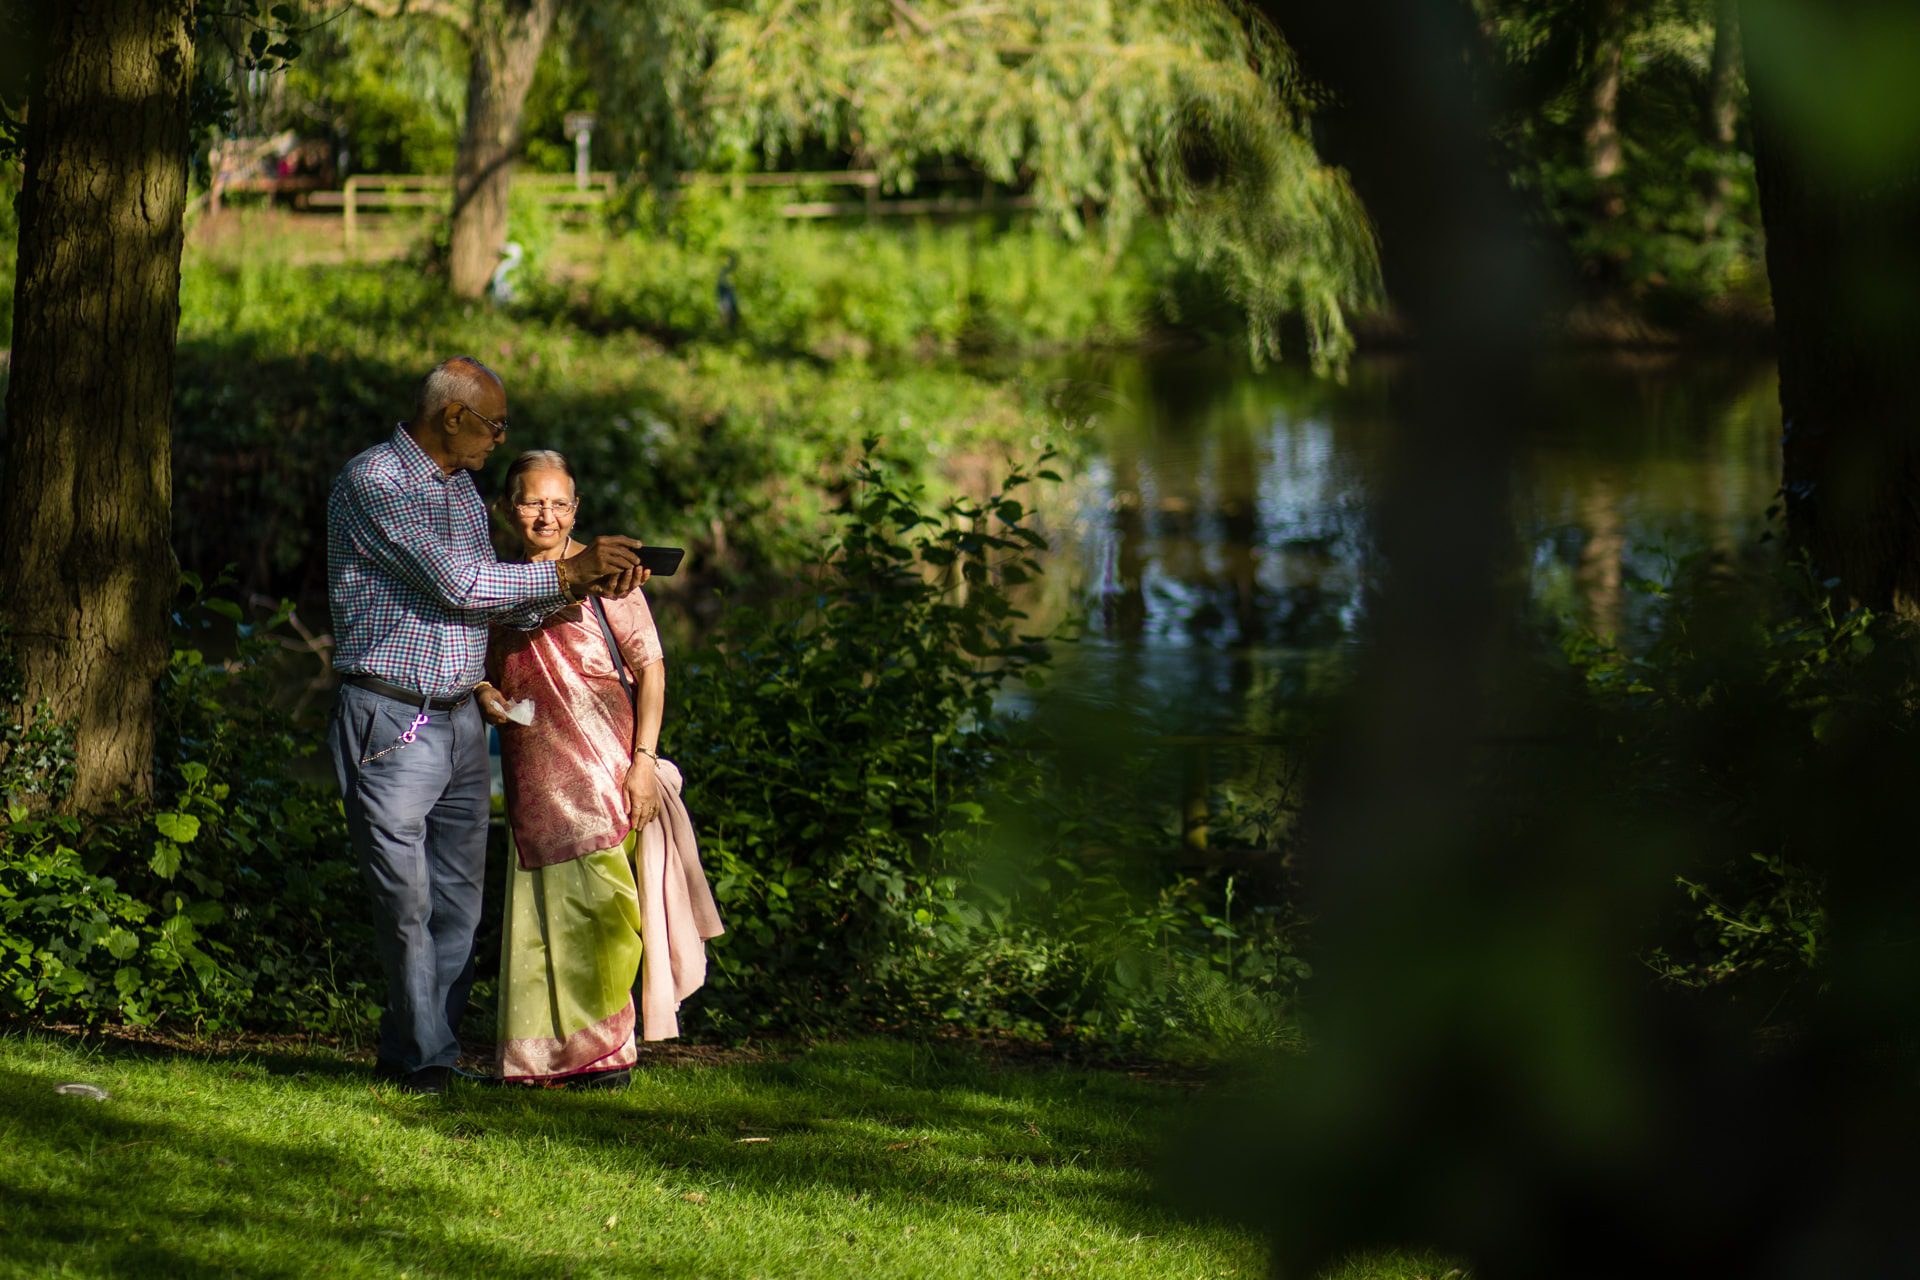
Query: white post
{"x": 579, "y": 127}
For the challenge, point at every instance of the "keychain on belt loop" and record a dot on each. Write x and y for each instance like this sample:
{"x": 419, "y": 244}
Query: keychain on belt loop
{"x": 407, "y": 737}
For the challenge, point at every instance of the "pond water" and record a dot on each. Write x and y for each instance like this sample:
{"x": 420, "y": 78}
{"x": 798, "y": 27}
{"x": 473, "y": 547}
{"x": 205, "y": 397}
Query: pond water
{"x": 1214, "y": 535}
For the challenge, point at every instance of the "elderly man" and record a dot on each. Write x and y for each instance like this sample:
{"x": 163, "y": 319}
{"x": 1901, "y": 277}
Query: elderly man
{"x": 414, "y": 584}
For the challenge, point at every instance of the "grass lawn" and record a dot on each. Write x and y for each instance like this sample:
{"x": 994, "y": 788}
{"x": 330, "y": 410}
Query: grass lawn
{"x": 876, "y": 1158}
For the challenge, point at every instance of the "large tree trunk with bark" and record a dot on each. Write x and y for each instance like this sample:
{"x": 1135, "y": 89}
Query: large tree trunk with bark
{"x": 87, "y": 575}
{"x": 507, "y": 36}
{"x": 1843, "y": 259}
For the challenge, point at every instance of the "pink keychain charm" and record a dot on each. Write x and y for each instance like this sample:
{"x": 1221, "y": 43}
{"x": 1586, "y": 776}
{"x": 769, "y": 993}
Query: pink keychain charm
{"x": 412, "y": 732}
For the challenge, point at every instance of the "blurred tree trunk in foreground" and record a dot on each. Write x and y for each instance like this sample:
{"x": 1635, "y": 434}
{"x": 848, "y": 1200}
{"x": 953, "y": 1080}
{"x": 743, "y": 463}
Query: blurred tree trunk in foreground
{"x": 87, "y": 573}
{"x": 1842, "y": 218}
{"x": 1492, "y": 1068}
{"x": 506, "y": 38}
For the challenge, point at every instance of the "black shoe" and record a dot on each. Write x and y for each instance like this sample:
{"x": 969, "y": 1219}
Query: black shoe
{"x": 618, "y": 1078}
{"x": 429, "y": 1080}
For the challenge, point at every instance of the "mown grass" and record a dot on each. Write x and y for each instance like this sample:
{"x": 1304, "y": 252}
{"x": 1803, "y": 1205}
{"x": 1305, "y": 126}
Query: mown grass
{"x": 876, "y": 1158}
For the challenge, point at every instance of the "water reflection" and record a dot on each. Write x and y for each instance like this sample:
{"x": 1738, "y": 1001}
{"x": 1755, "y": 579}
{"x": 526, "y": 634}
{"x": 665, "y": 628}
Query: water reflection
{"x": 1216, "y": 540}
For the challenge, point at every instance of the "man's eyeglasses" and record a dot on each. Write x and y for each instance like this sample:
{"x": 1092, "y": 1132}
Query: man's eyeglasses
{"x": 499, "y": 428}
{"x": 541, "y": 508}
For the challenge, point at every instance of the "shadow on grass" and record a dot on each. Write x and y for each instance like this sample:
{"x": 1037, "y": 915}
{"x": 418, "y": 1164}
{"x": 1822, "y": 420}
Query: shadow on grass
{"x": 122, "y": 1193}
{"x": 231, "y": 1175}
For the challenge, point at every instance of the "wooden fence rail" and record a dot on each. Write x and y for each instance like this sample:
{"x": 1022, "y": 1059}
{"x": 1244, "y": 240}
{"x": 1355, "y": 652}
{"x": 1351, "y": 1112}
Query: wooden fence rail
{"x": 387, "y": 191}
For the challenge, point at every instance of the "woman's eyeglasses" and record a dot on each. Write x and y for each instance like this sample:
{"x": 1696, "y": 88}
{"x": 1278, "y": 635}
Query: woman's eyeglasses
{"x": 542, "y": 508}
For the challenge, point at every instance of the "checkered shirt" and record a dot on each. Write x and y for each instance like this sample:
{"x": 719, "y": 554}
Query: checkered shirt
{"x": 412, "y": 575}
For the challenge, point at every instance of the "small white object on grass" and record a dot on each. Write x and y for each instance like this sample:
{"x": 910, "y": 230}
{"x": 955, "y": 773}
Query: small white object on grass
{"x": 521, "y": 712}
{"x": 77, "y": 1090}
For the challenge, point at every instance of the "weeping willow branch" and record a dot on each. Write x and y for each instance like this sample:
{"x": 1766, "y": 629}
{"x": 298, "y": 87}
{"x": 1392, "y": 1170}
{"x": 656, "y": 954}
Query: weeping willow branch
{"x": 1190, "y": 112}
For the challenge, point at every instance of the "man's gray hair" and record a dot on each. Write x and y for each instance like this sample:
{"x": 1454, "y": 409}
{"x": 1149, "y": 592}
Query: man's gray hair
{"x": 461, "y": 378}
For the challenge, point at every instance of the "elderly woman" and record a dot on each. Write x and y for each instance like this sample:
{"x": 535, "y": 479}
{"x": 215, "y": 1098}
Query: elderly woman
{"x": 605, "y": 883}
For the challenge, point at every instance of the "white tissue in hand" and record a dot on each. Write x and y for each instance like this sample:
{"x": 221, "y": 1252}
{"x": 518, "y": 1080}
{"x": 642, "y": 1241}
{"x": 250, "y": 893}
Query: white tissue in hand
{"x": 521, "y": 712}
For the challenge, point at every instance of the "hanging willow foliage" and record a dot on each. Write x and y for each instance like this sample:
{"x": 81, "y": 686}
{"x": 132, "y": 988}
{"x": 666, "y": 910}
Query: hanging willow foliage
{"x": 1188, "y": 111}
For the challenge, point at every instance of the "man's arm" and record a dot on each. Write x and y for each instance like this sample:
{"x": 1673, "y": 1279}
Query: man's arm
{"x": 480, "y": 589}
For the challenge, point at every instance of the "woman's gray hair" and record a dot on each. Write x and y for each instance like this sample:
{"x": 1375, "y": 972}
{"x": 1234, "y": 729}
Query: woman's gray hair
{"x": 536, "y": 460}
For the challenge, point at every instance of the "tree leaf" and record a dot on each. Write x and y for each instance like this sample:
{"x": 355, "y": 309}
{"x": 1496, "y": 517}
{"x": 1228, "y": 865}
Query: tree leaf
{"x": 166, "y": 859}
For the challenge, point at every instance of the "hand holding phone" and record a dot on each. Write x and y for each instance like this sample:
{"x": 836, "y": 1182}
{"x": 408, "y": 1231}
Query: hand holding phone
{"x": 661, "y": 560}
{"x": 649, "y": 561}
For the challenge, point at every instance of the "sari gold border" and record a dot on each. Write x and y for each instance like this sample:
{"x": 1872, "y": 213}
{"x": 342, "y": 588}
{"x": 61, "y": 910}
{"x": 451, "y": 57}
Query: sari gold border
{"x": 606, "y": 1045}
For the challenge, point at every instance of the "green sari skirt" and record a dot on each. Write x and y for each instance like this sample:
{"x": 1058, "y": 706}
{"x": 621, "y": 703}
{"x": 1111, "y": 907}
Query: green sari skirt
{"x": 568, "y": 960}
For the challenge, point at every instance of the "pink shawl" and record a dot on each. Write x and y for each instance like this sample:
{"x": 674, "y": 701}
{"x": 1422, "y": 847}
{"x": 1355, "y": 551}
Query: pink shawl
{"x": 677, "y": 912}
{"x": 564, "y": 775}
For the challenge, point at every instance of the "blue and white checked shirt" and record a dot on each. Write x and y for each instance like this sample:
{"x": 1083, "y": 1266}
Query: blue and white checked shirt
{"x": 412, "y": 575}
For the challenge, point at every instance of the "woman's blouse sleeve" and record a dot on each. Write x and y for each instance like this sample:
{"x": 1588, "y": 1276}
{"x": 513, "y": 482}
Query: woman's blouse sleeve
{"x": 633, "y": 627}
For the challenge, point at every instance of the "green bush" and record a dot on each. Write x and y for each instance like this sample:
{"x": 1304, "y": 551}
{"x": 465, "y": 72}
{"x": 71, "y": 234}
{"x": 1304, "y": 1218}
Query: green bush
{"x": 889, "y": 846}
{"x": 284, "y": 372}
{"x": 227, "y": 901}
{"x": 867, "y": 291}
{"x": 839, "y": 743}
{"x": 853, "y": 773}
{"x": 1732, "y": 732}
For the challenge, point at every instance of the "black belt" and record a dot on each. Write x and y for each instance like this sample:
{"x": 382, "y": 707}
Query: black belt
{"x": 374, "y": 684}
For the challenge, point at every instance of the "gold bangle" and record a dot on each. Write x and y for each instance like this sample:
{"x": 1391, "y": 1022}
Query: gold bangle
{"x": 566, "y": 592}
{"x": 648, "y": 752}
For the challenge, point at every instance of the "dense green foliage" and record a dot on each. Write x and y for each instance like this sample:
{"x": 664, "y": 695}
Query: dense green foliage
{"x": 870, "y": 1158}
{"x": 841, "y": 745}
{"x": 1756, "y": 684}
{"x": 1188, "y": 111}
{"x": 286, "y": 371}
{"x": 880, "y": 292}
{"x": 1675, "y": 231}
{"x": 1180, "y": 116}
{"x": 226, "y": 902}
{"x": 852, "y": 769}
{"x": 847, "y": 761}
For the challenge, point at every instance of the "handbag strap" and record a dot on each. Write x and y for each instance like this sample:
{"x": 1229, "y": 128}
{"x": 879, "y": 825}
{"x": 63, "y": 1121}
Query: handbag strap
{"x": 613, "y": 648}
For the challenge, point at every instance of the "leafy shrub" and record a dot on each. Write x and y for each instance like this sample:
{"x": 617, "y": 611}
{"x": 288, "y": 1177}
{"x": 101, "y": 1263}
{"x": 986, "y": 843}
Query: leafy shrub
{"x": 1757, "y": 693}
{"x": 226, "y": 901}
{"x": 853, "y": 774}
{"x": 838, "y": 743}
{"x": 867, "y": 291}
{"x": 285, "y": 371}
{"x": 850, "y": 765}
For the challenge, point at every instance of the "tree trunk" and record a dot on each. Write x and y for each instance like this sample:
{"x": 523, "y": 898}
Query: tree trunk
{"x": 1843, "y": 260}
{"x": 507, "y": 37}
{"x": 87, "y": 575}
{"x": 1603, "y": 113}
{"x": 1723, "y": 108}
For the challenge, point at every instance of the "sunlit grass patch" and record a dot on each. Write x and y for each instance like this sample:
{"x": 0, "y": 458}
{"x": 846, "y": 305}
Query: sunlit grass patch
{"x": 873, "y": 1158}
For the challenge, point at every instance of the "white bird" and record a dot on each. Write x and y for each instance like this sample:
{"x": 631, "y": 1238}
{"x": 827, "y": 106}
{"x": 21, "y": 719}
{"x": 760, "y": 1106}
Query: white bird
{"x": 500, "y": 288}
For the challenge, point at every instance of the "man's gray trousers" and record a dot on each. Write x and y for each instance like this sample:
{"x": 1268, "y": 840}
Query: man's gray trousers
{"x": 417, "y": 814}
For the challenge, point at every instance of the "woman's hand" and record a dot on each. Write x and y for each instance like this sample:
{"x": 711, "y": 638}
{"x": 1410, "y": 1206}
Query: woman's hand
{"x": 642, "y": 791}
{"x": 493, "y": 707}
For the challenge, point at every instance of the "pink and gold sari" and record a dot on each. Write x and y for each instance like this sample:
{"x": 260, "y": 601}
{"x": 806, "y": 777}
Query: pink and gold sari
{"x": 592, "y": 902}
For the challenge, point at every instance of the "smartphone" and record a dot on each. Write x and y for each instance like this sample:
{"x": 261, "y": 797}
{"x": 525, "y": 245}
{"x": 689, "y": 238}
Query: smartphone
{"x": 661, "y": 560}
